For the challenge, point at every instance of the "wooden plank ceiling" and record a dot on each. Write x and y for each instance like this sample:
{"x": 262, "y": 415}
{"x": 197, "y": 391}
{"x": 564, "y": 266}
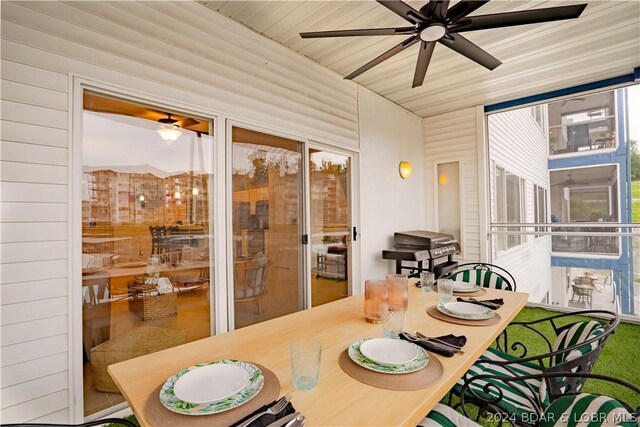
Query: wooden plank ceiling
{"x": 604, "y": 42}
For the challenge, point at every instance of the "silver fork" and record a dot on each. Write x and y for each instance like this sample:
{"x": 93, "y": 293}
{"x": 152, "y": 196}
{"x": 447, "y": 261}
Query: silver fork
{"x": 434, "y": 343}
{"x": 419, "y": 337}
{"x": 273, "y": 410}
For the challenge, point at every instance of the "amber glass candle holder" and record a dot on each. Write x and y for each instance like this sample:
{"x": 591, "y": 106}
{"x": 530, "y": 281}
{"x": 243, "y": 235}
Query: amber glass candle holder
{"x": 375, "y": 295}
{"x": 398, "y": 285}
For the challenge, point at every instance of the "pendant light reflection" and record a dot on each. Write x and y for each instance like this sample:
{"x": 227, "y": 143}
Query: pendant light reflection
{"x": 169, "y": 130}
{"x": 405, "y": 169}
{"x": 169, "y": 133}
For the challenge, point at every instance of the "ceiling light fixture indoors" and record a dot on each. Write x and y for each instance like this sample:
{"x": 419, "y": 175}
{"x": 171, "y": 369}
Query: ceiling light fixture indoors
{"x": 436, "y": 23}
{"x": 169, "y": 131}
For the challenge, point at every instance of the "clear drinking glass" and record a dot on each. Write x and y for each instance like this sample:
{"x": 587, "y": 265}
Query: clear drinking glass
{"x": 427, "y": 280}
{"x": 305, "y": 363}
{"x": 392, "y": 320}
{"x": 376, "y": 293}
{"x": 398, "y": 289}
{"x": 445, "y": 290}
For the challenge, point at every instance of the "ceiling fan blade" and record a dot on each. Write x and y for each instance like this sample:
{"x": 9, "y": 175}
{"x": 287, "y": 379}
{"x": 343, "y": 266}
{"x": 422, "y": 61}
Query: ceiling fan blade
{"x": 429, "y": 8}
{"x": 388, "y": 54}
{"x": 462, "y": 9}
{"x": 464, "y": 47}
{"x": 441, "y": 9}
{"x": 404, "y": 10}
{"x": 359, "y": 32}
{"x": 426, "y": 50}
{"x": 188, "y": 121}
{"x": 523, "y": 17}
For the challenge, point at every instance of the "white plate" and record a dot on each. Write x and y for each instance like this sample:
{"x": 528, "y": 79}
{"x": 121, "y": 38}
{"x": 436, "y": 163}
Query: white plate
{"x": 389, "y": 352}
{"x": 210, "y": 383}
{"x": 464, "y": 287}
{"x": 466, "y": 311}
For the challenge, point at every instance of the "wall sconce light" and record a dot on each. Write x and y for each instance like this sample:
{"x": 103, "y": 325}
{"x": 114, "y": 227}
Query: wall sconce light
{"x": 195, "y": 191}
{"x": 177, "y": 195}
{"x": 405, "y": 169}
{"x": 141, "y": 198}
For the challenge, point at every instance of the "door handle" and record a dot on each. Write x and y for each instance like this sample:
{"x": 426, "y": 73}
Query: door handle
{"x": 355, "y": 234}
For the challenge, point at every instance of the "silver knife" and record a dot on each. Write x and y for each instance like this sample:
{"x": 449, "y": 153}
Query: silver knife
{"x": 284, "y": 420}
{"x": 296, "y": 422}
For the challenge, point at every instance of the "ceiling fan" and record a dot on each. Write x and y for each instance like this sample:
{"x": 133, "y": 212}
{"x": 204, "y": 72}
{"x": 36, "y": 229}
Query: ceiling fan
{"x": 185, "y": 123}
{"x": 569, "y": 182}
{"x": 436, "y": 22}
{"x": 579, "y": 99}
{"x": 170, "y": 129}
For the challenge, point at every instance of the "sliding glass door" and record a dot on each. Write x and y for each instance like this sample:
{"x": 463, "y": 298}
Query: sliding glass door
{"x": 267, "y": 221}
{"x": 330, "y": 195}
{"x": 146, "y": 236}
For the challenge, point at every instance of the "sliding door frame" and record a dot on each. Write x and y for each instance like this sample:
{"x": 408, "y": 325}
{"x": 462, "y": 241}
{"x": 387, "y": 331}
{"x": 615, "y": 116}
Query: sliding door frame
{"x": 353, "y": 261}
{"x": 78, "y": 86}
{"x": 305, "y": 294}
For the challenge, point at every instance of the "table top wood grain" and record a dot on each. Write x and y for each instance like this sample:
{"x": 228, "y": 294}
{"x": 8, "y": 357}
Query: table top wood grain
{"x": 338, "y": 399}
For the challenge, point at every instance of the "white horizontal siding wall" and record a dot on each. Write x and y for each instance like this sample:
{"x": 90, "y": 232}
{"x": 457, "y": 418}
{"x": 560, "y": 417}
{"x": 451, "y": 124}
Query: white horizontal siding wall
{"x": 181, "y": 52}
{"x": 519, "y": 145}
{"x": 33, "y": 243}
{"x": 449, "y": 137}
{"x": 389, "y": 134}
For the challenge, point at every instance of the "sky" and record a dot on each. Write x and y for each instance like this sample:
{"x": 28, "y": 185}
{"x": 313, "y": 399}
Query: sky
{"x": 115, "y": 140}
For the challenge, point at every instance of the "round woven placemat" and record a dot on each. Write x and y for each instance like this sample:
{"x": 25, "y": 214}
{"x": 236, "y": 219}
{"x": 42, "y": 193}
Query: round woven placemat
{"x": 158, "y": 415}
{"x": 477, "y": 293}
{"x": 434, "y": 312}
{"x": 400, "y": 382}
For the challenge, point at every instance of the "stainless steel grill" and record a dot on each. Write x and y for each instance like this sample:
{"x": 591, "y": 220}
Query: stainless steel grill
{"x": 418, "y": 246}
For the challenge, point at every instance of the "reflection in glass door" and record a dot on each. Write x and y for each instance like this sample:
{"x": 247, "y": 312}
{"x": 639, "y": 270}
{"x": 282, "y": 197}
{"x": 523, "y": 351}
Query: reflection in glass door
{"x": 146, "y": 235}
{"x": 330, "y": 176}
{"x": 267, "y": 188}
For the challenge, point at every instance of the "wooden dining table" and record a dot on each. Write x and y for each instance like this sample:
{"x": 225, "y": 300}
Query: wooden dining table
{"x": 338, "y": 400}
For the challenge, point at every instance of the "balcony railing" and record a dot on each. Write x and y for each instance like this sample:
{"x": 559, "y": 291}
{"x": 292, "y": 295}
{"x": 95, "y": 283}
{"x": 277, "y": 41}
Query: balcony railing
{"x": 583, "y": 238}
{"x": 592, "y": 265}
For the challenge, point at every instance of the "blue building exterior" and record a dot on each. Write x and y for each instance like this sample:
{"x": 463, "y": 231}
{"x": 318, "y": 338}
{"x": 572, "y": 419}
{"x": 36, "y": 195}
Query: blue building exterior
{"x": 621, "y": 266}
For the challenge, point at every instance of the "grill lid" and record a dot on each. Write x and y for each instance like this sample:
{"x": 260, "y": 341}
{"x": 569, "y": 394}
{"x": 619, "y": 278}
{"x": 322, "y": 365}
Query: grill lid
{"x": 422, "y": 238}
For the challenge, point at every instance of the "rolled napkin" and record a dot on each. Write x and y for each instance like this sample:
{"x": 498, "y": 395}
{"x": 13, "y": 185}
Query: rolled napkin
{"x": 266, "y": 419}
{"x": 493, "y": 304}
{"x": 435, "y": 344}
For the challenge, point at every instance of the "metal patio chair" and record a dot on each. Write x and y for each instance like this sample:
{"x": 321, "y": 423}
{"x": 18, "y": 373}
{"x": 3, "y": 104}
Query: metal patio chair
{"x": 569, "y": 406}
{"x": 485, "y": 275}
{"x": 575, "y": 348}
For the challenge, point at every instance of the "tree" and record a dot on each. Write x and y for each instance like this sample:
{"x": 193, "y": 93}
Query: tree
{"x": 635, "y": 161}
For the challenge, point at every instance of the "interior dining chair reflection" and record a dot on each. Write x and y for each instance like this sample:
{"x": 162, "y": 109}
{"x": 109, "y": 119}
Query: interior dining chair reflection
{"x": 250, "y": 280}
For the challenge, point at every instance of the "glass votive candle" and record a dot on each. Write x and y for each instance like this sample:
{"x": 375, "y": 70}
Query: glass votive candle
{"x": 375, "y": 295}
{"x": 398, "y": 289}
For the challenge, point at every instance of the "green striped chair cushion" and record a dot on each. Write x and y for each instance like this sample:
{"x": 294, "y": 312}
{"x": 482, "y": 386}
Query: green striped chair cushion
{"x": 480, "y": 277}
{"x": 571, "y": 335}
{"x": 587, "y": 410}
{"x": 513, "y": 401}
{"x": 444, "y": 416}
{"x": 575, "y": 334}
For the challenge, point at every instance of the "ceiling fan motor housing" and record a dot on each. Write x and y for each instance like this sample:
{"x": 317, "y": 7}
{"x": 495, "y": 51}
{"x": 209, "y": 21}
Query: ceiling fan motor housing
{"x": 432, "y": 32}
